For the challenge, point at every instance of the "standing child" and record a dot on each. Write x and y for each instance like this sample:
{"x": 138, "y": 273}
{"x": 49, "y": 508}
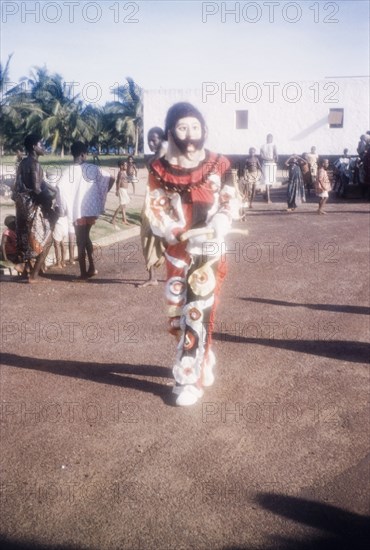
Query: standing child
{"x": 131, "y": 171}
{"x": 122, "y": 182}
{"x": 323, "y": 185}
{"x": 252, "y": 177}
{"x": 63, "y": 230}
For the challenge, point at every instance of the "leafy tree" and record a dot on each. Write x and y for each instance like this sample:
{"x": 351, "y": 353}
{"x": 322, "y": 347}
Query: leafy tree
{"x": 56, "y": 114}
{"x": 43, "y": 104}
{"x": 129, "y": 113}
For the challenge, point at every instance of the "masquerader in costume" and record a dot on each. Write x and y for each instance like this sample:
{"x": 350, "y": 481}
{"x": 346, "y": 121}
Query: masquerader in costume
{"x": 188, "y": 206}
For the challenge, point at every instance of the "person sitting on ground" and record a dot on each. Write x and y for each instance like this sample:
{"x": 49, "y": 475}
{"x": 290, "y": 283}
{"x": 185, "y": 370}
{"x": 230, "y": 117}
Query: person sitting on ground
{"x": 8, "y": 251}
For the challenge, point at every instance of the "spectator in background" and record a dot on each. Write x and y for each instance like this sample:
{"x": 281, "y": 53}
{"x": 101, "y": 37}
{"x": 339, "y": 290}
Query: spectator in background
{"x": 312, "y": 159}
{"x": 18, "y": 159}
{"x": 342, "y": 173}
{"x": 63, "y": 232}
{"x": 82, "y": 192}
{"x": 156, "y": 142}
{"x": 251, "y": 179}
{"x": 362, "y": 145}
{"x": 152, "y": 245}
{"x": 295, "y": 191}
{"x": 306, "y": 174}
{"x": 122, "y": 192}
{"x": 269, "y": 159}
{"x": 35, "y": 217}
{"x": 131, "y": 172}
{"x": 323, "y": 185}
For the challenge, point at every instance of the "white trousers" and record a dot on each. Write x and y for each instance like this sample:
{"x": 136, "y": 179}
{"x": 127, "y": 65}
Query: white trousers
{"x": 269, "y": 170}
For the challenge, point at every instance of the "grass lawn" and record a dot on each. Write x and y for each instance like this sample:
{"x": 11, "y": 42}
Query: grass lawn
{"x": 109, "y": 161}
{"x": 103, "y": 226}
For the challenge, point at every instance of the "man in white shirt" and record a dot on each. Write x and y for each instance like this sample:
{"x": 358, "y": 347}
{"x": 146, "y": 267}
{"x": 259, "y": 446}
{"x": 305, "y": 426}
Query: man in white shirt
{"x": 82, "y": 192}
{"x": 269, "y": 164}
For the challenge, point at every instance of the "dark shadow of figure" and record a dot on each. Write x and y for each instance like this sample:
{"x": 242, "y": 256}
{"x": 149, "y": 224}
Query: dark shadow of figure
{"x": 105, "y": 373}
{"x": 341, "y": 530}
{"x": 364, "y": 310}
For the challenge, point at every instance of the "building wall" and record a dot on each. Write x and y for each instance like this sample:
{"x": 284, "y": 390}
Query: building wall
{"x": 295, "y": 113}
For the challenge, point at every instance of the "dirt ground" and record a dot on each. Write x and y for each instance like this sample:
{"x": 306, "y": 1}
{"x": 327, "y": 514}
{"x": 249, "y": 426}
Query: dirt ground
{"x": 95, "y": 456}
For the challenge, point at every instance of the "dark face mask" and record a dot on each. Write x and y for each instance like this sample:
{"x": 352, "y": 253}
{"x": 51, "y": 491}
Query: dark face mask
{"x": 182, "y": 144}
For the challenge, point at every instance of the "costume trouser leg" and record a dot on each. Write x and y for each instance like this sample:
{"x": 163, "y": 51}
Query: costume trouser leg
{"x": 192, "y": 288}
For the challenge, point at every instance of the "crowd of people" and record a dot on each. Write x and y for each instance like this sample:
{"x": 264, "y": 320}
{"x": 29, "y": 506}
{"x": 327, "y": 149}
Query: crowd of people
{"x": 308, "y": 173}
{"x": 45, "y": 214}
{"x": 186, "y": 215}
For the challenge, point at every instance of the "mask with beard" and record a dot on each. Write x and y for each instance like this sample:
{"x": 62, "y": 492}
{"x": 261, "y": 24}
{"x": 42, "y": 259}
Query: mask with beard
{"x": 183, "y": 144}
{"x": 177, "y": 112}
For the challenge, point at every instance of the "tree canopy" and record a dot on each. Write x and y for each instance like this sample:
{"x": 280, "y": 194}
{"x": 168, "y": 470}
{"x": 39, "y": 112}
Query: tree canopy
{"x": 43, "y": 103}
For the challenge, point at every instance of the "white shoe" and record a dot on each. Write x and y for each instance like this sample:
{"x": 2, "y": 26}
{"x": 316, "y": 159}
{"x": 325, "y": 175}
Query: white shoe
{"x": 187, "y": 395}
{"x": 208, "y": 377}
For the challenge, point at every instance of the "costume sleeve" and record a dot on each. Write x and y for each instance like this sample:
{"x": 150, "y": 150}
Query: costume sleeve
{"x": 164, "y": 212}
{"x": 221, "y": 221}
{"x": 225, "y": 209}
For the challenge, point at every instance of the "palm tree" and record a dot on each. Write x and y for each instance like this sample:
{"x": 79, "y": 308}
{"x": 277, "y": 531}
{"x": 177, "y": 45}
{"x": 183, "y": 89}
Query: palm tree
{"x": 129, "y": 113}
{"x": 6, "y": 114}
{"x": 54, "y": 113}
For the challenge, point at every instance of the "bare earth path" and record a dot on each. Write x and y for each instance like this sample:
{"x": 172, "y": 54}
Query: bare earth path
{"x": 94, "y": 454}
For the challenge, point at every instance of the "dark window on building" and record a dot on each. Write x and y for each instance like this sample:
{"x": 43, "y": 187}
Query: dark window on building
{"x": 241, "y": 120}
{"x": 335, "y": 118}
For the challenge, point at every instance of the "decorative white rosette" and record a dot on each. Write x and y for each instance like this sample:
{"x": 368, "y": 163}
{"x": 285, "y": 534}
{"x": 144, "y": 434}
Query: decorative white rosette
{"x": 165, "y": 214}
{"x": 176, "y": 290}
{"x": 186, "y": 370}
{"x": 193, "y": 314}
{"x": 202, "y": 281}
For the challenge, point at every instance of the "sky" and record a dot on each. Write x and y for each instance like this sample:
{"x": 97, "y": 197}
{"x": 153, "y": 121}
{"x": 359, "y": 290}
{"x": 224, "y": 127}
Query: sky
{"x": 183, "y": 44}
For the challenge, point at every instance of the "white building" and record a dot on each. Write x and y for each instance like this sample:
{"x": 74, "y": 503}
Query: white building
{"x": 330, "y": 114}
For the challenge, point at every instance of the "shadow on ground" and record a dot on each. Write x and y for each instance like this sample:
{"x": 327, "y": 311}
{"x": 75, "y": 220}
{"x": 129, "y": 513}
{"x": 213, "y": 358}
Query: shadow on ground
{"x": 117, "y": 374}
{"x": 355, "y": 352}
{"x": 7, "y": 544}
{"x": 363, "y": 310}
{"x": 341, "y": 530}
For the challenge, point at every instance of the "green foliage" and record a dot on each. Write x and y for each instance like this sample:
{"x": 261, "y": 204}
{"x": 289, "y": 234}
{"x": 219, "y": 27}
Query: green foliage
{"x": 43, "y": 104}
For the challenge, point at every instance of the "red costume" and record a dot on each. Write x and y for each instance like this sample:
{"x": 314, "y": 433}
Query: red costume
{"x": 181, "y": 199}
